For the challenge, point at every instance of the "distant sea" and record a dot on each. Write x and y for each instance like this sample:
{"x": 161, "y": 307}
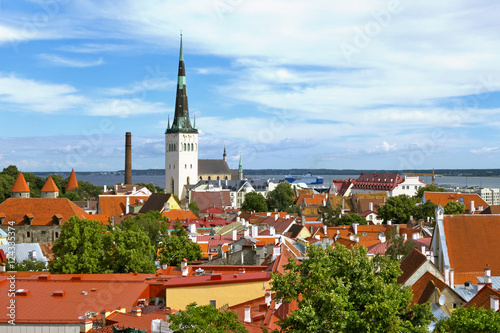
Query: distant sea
{"x": 159, "y": 180}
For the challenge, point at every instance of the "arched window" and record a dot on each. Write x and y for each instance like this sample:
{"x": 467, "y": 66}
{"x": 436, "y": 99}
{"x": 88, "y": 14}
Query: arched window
{"x": 225, "y": 178}
{"x": 218, "y": 178}
{"x": 28, "y": 234}
{"x": 201, "y": 178}
{"x": 185, "y": 147}
{"x": 209, "y": 178}
{"x": 187, "y": 180}
{"x": 57, "y": 234}
{"x": 172, "y": 184}
{"x": 192, "y": 147}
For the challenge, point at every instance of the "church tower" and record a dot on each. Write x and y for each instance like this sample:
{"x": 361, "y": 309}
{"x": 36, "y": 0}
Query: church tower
{"x": 181, "y": 141}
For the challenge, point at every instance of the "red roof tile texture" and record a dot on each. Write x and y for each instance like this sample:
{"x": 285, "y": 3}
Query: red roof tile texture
{"x": 20, "y": 184}
{"x": 410, "y": 265}
{"x": 473, "y": 242}
{"x": 114, "y": 205}
{"x": 72, "y": 182}
{"x": 424, "y": 287}
{"x": 43, "y": 210}
{"x": 442, "y": 198}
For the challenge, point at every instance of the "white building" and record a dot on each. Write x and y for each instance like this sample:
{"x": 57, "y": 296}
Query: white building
{"x": 490, "y": 195}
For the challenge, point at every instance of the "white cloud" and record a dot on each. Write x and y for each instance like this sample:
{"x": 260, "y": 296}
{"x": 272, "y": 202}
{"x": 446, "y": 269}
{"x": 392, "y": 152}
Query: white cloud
{"x": 384, "y": 147}
{"x": 68, "y": 62}
{"x": 94, "y": 48}
{"x": 485, "y": 150}
{"x": 38, "y": 96}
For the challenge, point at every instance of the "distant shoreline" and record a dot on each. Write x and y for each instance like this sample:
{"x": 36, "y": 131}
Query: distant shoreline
{"x": 271, "y": 172}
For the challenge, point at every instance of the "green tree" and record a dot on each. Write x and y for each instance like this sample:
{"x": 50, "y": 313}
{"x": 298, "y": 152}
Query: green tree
{"x": 454, "y": 208}
{"x": 86, "y": 247}
{"x": 130, "y": 250}
{"x": 80, "y": 248}
{"x": 26, "y": 265}
{"x": 281, "y": 197}
{"x": 71, "y": 196}
{"x": 352, "y": 218}
{"x": 152, "y": 223}
{"x": 397, "y": 247}
{"x": 177, "y": 246}
{"x": 398, "y": 209}
{"x": 470, "y": 319}
{"x": 205, "y": 319}
{"x": 341, "y": 290}
{"x": 426, "y": 210}
{"x": 6, "y": 183}
{"x": 193, "y": 206}
{"x": 11, "y": 170}
{"x": 428, "y": 188}
{"x": 254, "y": 202}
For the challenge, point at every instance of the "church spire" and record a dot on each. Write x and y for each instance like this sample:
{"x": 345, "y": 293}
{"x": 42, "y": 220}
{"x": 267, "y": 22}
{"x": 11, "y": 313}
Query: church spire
{"x": 181, "y": 122}
{"x": 224, "y": 155}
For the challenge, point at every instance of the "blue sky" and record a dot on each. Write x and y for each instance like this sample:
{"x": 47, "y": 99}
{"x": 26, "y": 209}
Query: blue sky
{"x": 288, "y": 84}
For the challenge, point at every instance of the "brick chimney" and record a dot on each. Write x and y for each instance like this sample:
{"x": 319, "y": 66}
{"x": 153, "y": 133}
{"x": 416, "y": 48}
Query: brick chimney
{"x": 128, "y": 158}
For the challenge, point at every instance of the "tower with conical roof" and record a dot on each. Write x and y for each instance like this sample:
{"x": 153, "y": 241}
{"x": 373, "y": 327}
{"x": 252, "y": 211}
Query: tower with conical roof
{"x": 50, "y": 189}
{"x": 181, "y": 140}
{"x": 20, "y": 189}
{"x": 72, "y": 182}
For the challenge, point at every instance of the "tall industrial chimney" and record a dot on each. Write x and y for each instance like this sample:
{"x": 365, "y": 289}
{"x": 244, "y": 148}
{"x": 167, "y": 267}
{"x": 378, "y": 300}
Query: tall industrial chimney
{"x": 128, "y": 158}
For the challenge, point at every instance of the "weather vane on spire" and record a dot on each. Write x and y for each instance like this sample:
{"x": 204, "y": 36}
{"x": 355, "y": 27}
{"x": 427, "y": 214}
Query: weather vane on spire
{"x": 181, "y": 32}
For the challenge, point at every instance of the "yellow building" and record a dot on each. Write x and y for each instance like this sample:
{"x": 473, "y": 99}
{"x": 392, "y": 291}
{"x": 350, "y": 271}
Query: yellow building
{"x": 216, "y": 289}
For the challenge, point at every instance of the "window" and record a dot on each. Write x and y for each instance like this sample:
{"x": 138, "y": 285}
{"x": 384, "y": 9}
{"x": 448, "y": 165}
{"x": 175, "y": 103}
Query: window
{"x": 192, "y": 147}
{"x": 212, "y": 303}
{"x": 28, "y": 234}
{"x": 57, "y": 234}
{"x": 191, "y": 166}
{"x": 184, "y": 147}
{"x": 185, "y": 166}
{"x": 44, "y": 232}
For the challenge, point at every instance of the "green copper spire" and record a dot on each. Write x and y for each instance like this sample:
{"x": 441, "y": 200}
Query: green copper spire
{"x": 240, "y": 169}
{"x": 181, "y": 122}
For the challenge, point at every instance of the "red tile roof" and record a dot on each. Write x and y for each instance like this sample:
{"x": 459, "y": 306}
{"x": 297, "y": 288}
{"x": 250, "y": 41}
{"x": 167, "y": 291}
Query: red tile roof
{"x": 424, "y": 287}
{"x": 50, "y": 186}
{"x": 442, "y": 198}
{"x": 103, "y": 291}
{"x": 20, "y": 184}
{"x": 179, "y": 214}
{"x": 43, "y": 210}
{"x": 473, "y": 242}
{"x": 114, "y": 205}
{"x": 72, "y": 182}
{"x": 224, "y": 279}
{"x": 411, "y": 264}
{"x": 482, "y": 298}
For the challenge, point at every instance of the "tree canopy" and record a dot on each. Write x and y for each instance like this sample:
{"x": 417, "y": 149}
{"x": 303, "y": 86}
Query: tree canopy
{"x": 26, "y": 265}
{"x": 469, "y": 319}
{"x": 176, "y": 246}
{"x": 254, "y": 202}
{"x": 398, "y": 209}
{"x": 87, "y": 247}
{"x": 454, "y": 208}
{"x": 152, "y": 223}
{"x": 341, "y": 290}
{"x": 397, "y": 247}
{"x": 205, "y": 319}
{"x": 333, "y": 217}
{"x": 281, "y": 197}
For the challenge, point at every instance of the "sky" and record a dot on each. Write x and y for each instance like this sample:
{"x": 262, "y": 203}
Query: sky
{"x": 362, "y": 84}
